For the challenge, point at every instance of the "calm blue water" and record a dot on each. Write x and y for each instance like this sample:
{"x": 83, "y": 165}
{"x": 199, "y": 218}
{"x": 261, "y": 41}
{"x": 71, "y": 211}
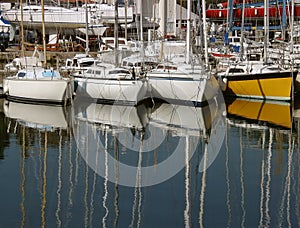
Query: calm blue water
{"x": 161, "y": 166}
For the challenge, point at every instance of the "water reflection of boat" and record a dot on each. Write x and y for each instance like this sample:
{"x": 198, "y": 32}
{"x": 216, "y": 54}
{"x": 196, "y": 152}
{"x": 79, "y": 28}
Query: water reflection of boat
{"x": 194, "y": 124}
{"x": 112, "y": 116}
{"x": 251, "y": 113}
{"x": 184, "y": 120}
{"x": 39, "y": 129}
{"x": 260, "y": 147}
{"x": 145, "y": 129}
{"x": 47, "y": 117}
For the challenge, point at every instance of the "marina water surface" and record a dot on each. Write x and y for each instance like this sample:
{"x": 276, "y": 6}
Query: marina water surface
{"x": 157, "y": 165}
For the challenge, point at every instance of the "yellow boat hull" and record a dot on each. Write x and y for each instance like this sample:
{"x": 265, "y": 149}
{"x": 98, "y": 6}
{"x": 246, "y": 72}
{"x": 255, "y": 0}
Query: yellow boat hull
{"x": 268, "y": 86}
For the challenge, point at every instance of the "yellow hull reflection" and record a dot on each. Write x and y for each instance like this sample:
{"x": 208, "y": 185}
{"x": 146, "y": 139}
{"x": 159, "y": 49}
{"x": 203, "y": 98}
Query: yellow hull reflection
{"x": 268, "y": 88}
{"x": 276, "y": 114}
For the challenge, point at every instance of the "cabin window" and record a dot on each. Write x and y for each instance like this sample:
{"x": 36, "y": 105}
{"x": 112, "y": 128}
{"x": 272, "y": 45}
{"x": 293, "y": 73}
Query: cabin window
{"x": 118, "y": 72}
{"x": 85, "y": 64}
{"x": 171, "y": 68}
{"x": 69, "y": 63}
{"x": 21, "y": 74}
{"x": 236, "y": 70}
{"x": 48, "y": 73}
{"x": 274, "y": 68}
{"x": 254, "y": 57}
{"x": 150, "y": 63}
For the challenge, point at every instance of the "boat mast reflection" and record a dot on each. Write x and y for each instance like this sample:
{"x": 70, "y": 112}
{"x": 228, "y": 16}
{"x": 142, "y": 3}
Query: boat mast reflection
{"x": 261, "y": 125}
{"x": 37, "y": 127}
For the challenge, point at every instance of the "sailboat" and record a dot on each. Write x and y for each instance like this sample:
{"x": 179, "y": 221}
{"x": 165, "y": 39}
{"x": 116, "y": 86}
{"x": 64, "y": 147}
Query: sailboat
{"x": 259, "y": 79}
{"x": 183, "y": 81}
{"x": 38, "y": 84}
{"x": 255, "y": 79}
{"x": 108, "y": 83}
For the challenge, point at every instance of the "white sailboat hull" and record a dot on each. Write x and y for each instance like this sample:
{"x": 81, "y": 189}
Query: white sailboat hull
{"x": 175, "y": 89}
{"x": 40, "y": 91}
{"x": 112, "y": 91}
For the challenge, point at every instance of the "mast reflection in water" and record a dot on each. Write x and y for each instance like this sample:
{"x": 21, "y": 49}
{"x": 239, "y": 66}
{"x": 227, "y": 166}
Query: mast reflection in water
{"x": 50, "y": 177}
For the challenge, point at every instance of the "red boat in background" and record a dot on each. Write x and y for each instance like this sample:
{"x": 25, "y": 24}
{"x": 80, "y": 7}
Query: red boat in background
{"x": 256, "y": 12}
{"x": 219, "y": 13}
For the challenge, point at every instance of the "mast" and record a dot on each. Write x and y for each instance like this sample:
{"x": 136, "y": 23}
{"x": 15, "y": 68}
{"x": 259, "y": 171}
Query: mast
{"x": 266, "y": 33}
{"x": 292, "y": 29}
{"x": 141, "y": 21}
{"x": 139, "y": 13}
{"x": 188, "y": 32}
{"x": 116, "y": 32}
{"x": 200, "y": 28}
{"x": 227, "y": 17}
{"x": 283, "y": 19}
{"x": 205, "y": 32}
{"x": 44, "y": 34}
{"x": 180, "y": 19}
{"x": 230, "y": 14}
{"x": 154, "y": 19}
{"x": 163, "y": 16}
{"x": 292, "y": 44}
{"x": 86, "y": 29}
{"x": 126, "y": 5}
{"x": 22, "y": 29}
{"x": 242, "y": 30}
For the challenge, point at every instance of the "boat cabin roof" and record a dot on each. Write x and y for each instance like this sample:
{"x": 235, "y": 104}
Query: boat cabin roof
{"x": 37, "y": 73}
{"x": 253, "y": 67}
{"x": 108, "y": 72}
